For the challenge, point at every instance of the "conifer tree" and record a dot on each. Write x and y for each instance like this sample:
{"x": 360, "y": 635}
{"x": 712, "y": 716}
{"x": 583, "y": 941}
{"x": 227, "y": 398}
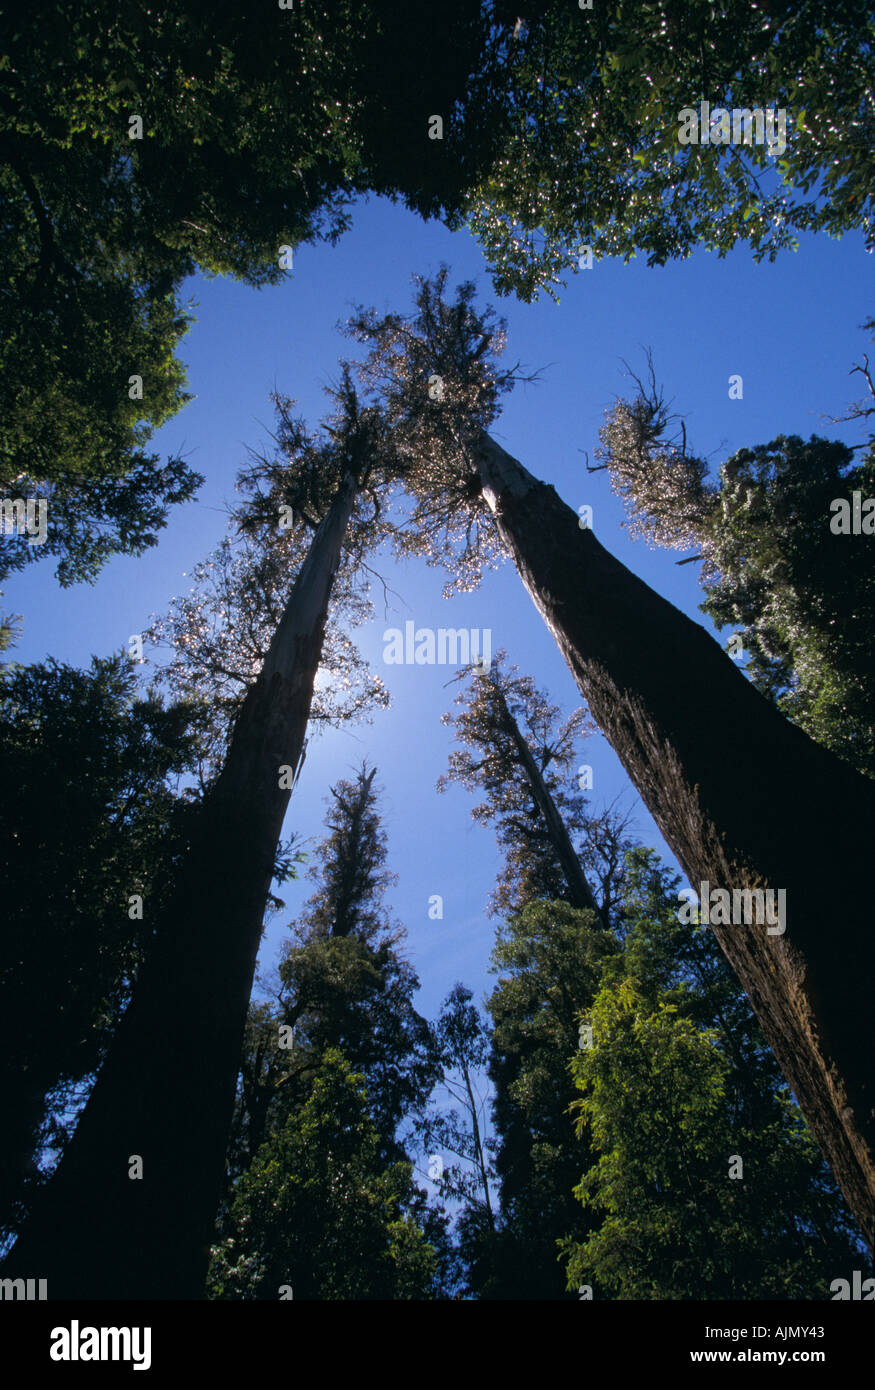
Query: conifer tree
{"x": 343, "y": 1010}
{"x": 548, "y": 959}
{"x": 319, "y": 1214}
{"x": 548, "y": 946}
{"x": 345, "y": 981}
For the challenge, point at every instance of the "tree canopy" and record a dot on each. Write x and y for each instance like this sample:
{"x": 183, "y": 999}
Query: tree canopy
{"x": 591, "y": 155}
{"x": 137, "y": 147}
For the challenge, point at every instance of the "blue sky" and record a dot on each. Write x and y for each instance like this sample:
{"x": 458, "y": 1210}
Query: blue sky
{"x": 790, "y": 329}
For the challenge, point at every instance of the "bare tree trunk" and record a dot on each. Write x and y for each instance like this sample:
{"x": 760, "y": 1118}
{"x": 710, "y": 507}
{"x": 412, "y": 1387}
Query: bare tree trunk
{"x": 579, "y": 892}
{"x": 166, "y": 1090}
{"x": 478, "y": 1148}
{"x": 743, "y": 797}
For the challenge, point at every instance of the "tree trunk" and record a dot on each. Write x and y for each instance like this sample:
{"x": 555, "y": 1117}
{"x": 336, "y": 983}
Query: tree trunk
{"x": 579, "y": 892}
{"x": 166, "y": 1091}
{"x": 478, "y": 1149}
{"x": 743, "y": 797}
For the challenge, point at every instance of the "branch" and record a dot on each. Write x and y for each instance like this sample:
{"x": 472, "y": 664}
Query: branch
{"x": 49, "y": 250}
{"x": 598, "y": 468}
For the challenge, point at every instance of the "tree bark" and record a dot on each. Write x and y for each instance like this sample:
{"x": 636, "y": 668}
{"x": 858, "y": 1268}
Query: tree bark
{"x": 743, "y": 797}
{"x": 166, "y": 1091}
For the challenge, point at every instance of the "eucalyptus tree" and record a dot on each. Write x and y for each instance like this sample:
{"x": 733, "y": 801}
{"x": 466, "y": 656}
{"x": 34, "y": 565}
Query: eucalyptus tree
{"x": 213, "y": 640}
{"x": 130, "y": 1210}
{"x": 728, "y": 780}
{"x": 461, "y": 1131}
{"x": 518, "y": 753}
{"x": 781, "y": 564}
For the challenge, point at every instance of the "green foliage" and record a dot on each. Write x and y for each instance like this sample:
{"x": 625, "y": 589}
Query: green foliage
{"x": 257, "y": 131}
{"x": 87, "y": 819}
{"x": 320, "y": 1211}
{"x": 802, "y": 597}
{"x": 345, "y": 982}
{"x": 676, "y": 1087}
{"x": 547, "y": 954}
{"x": 548, "y": 958}
{"x": 361, "y": 1061}
{"x": 589, "y": 150}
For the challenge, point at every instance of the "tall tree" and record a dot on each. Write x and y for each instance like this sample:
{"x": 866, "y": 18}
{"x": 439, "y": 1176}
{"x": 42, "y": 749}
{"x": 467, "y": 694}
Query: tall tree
{"x": 705, "y": 1182}
{"x": 345, "y": 991}
{"x": 709, "y": 772}
{"x": 345, "y": 982}
{"x": 520, "y": 771}
{"x": 780, "y": 561}
{"x": 213, "y": 640}
{"x": 319, "y": 1213}
{"x": 73, "y": 865}
{"x": 130, "y": 1210}
{"x": 462, "y": 1131}
{"x": 523, "y": 758}
{"x": 548, "y": 958}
